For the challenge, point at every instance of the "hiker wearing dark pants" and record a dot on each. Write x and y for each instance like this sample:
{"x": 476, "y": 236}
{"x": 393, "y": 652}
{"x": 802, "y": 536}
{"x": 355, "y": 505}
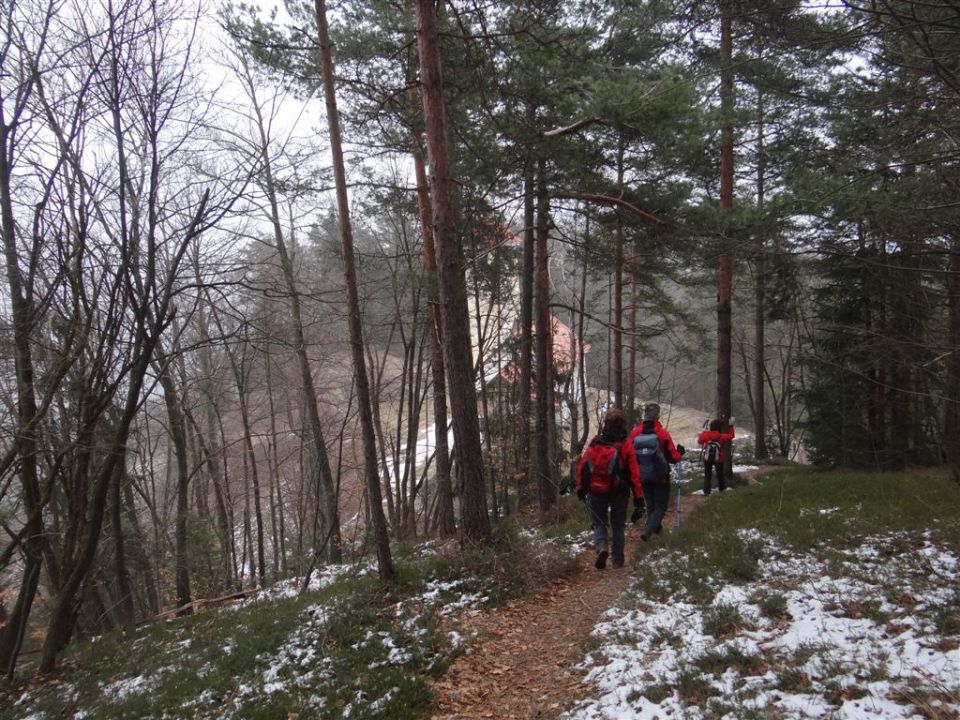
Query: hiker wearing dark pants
{"x": 652, "y": 447}
{"x": 657, "y": 497}
{"x": 605, "y": 481}
{"x": 712, "y": 454}
{"x": 612, "y": 508}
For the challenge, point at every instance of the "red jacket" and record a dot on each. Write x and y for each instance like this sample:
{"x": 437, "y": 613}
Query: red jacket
{"x": 598, "y": 483}
{"x": 715, "y": 435}
{"x": 667, "y": 447}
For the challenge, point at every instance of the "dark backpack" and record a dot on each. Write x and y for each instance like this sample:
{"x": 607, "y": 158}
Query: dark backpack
{"x": 653, "y": 465}
{"x": 710, "y": 452}
{"x": 603, "y": 462}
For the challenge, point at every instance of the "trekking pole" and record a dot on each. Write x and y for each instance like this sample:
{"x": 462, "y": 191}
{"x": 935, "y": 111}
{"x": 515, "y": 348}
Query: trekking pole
{"x": 679, "y": 491}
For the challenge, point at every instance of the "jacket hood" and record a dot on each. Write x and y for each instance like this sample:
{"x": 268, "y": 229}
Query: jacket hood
{"x": 609, "y": 438}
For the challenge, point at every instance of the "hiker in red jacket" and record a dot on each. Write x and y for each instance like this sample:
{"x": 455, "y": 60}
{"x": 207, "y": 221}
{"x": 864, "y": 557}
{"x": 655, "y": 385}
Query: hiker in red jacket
{"x": 605, "y": 482}
{"x": 711, "y": 453}
{"x": 652, "y": 449}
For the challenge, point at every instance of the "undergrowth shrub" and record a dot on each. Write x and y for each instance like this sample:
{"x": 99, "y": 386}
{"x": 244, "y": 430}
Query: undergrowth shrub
{"x": 723, "y": 621}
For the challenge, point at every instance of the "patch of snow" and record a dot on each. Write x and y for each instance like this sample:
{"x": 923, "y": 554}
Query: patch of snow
{"x": 321, "y": 578}
{"x": 120, "y": 690}
{"x": 838, "y": 636}
{"x": 434, "y": 596}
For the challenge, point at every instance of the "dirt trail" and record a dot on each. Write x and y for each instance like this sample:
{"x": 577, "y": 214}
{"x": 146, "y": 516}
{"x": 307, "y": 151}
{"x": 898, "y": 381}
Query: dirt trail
{"x": 520, "y": 668}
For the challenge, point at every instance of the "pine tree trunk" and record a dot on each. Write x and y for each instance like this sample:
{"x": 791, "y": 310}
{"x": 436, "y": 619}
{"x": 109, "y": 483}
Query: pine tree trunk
{"x": 760, "y": 363}
{"x": 481, "y": 371}
{"x": 375, "y": 499}
{"x": 541, "y": 460}
{"x": 631, "y": 391}
{"x": 581, "y": 344}
{"x": 446, "y": 522}
{"x": 951, "y": 424}
{"x": 475, "y": 522}
{"x": 525, "y": 489}
{"x": 618, "y": 291}
{"x": 725, "y": 270}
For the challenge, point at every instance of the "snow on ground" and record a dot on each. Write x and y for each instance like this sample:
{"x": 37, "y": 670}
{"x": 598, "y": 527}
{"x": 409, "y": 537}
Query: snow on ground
{"x": 854, "y": 637}
{"x": 298, "y": 661}
{"x": 322, "y": 577}
{"x": 571, "y": 545}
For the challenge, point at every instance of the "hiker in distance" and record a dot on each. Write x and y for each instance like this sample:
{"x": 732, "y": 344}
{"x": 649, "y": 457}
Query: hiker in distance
{"x": 651, "y": 448}
{"x": 711, "y": 453}
{"x": 605, "y": 481}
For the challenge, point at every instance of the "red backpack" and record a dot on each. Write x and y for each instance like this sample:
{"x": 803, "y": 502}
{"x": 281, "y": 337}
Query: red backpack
{"x": 602, "y": 462}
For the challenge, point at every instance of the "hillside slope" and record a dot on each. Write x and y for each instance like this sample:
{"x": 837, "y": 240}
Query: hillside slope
{"x": 805, "y": 595}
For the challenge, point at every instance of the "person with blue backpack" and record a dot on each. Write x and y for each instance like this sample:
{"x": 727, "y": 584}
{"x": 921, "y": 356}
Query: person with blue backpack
{"x": 606, "y": 479}
{"x": 651, "y": 448}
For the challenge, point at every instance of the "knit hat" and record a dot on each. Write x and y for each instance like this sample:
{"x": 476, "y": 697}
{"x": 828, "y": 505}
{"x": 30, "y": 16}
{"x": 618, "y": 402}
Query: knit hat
{"x": 651, "y": 411}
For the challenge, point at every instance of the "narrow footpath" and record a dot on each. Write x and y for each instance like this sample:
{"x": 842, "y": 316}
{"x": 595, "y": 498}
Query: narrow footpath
{"x": 520, "y": 667}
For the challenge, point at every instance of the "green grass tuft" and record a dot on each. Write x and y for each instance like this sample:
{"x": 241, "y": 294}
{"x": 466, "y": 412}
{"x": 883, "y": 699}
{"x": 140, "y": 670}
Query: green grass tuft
{"x": 724, "y": 621}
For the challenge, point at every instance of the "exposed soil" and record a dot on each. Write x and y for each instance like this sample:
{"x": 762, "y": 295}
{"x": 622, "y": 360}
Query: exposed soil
{"x": 520, "y": 668}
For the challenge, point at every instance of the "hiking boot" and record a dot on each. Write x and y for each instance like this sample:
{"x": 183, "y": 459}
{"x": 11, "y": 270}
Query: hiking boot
{"x": 617, "y": 563}
{"x": 601, "y": 562}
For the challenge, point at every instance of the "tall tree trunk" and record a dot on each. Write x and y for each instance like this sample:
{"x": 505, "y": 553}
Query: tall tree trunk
{"x": 255, "y": 479}
{"x": 384, "y": 558}
{"x": 323, "y": 475}
{"x": 632, "y": 352}
{"x": 759, "y": 357}
{"x": 178, "y": 439}
{"x": 143, "y": 560}
{"x": 618, "y": 290}
{"x": 951, "y": 423}
{"x": 525, "y": 489}
{"x": 23, "y": 320}
{"x": 211, "y": 449}
{"x": 725, "y": 270}
{"x": 247, "y": 550}
{"x": 126, "y": 612}
{"x": 445, "y": 521}
{"x": 382, "y": 445}
{"x": 276, "y": 504}
{"x": 541, "y": 461}
{"x": 482, "y": 337}
{"x": 581, "y": 343}
{"x": 66, "y": 604}
{"x": 475, "y": 522}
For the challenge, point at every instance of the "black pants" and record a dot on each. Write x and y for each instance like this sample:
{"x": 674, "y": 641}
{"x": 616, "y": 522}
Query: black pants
{"x": 655, "y": 496}
{"x": 708, "y": 476}
{"x": 608, "y": 510}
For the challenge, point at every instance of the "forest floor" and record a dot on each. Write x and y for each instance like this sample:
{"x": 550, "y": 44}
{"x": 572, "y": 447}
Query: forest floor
{"x": 522, "y": 667}
{"x": 799, "y": 594}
